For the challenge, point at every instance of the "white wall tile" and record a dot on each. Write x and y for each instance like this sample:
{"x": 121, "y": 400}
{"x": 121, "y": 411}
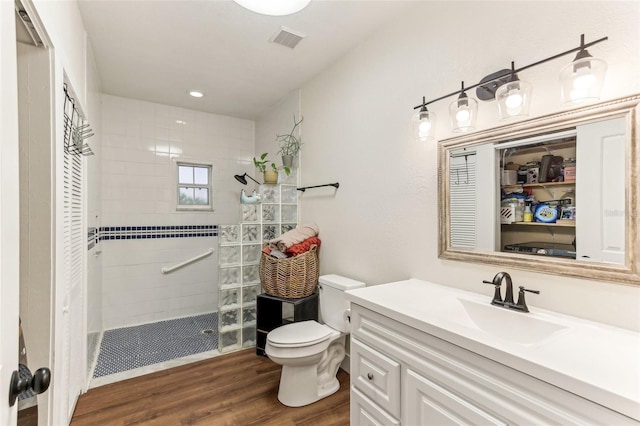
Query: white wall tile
{"x": 138, "y": 188}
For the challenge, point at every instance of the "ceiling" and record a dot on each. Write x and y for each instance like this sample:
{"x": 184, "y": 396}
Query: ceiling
{"x": 158, "y": 50}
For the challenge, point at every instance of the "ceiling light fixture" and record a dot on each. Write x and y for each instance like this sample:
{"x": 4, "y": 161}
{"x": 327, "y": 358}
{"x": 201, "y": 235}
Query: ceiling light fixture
{"x": 581, "y": 81}
{"x": 196, "y": 93}
{"x": 274, "y": 7}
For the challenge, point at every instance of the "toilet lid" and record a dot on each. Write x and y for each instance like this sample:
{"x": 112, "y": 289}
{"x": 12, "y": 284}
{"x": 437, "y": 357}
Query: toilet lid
{"x": 303, "y": 333}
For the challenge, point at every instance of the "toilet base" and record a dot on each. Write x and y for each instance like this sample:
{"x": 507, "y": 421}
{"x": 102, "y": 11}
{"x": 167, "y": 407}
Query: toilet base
{"x": 307, "y": 392}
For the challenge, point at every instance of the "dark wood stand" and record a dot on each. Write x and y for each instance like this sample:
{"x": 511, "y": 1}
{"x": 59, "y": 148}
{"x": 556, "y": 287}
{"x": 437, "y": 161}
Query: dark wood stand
{"x": 270, "y": 315}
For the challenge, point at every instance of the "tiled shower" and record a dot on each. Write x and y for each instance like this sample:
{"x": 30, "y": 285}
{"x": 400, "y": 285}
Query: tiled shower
{"x": 138, "y": 231}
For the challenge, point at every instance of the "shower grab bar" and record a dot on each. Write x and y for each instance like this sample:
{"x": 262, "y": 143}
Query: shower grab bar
{"x": 186, "y": 262}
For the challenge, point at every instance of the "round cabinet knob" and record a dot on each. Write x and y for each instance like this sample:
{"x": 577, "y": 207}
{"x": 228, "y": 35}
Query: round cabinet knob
{"x": 369, "y": 376}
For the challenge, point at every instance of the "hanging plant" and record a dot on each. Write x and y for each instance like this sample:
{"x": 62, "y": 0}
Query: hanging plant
{"x": 289, "y": 143}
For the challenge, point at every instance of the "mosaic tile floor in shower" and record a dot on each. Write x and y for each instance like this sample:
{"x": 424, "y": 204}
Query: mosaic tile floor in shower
{"x": 127, "y": 348}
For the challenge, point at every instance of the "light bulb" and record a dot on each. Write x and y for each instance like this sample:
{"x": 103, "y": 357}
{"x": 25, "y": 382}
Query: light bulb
{"x": 463, "y": 115}
{"x": 514, "y": 99}
{"x": 424, "y": 128}
{"x": 578, "y": 94}
{"x": 584, "y": 82}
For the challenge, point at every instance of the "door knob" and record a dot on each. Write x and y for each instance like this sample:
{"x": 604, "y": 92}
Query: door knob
{"x": 39, "y": 383}
{"x": 41, "y": 380}
{"x": 16, "y": 387}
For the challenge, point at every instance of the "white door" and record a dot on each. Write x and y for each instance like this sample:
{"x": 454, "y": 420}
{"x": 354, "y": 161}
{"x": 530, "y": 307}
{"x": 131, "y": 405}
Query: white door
{"x": 9, "y": 210}
{"x": 73, "y": 360}
{"x": 600, "y": 191}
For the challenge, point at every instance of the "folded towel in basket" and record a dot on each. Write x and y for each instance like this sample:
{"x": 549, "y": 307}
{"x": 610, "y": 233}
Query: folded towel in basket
{"x": 295, "y": 236}
{"x": 302, "y": 247}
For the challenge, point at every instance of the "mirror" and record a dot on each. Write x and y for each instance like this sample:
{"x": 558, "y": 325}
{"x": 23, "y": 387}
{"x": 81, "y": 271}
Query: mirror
{"x": 555, "y": 194}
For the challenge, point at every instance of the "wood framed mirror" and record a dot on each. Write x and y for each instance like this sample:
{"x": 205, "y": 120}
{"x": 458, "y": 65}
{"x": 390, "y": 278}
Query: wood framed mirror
{"x": 576, "y": 171}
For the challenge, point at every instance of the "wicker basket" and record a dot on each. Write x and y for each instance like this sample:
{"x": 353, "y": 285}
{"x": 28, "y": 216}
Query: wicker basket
{"x": 291, "y": 277}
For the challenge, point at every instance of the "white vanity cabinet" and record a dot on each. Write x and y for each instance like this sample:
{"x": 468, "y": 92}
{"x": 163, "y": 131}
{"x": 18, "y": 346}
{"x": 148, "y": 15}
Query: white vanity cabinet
{"x": 401, "y": 375}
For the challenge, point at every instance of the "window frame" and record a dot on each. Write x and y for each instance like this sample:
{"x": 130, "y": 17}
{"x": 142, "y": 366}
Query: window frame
{"x": 209, "y": 186}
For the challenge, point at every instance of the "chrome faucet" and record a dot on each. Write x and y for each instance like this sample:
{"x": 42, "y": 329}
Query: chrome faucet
{"x": 508, "y": 303}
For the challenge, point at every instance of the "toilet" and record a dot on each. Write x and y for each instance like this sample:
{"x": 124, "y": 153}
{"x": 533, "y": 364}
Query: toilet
{"x": 310, "y": 353}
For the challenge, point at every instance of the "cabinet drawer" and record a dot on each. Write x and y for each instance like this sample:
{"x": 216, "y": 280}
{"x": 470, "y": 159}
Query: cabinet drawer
{"x": 365, "y": 413}
{"x": 376, "y": 376}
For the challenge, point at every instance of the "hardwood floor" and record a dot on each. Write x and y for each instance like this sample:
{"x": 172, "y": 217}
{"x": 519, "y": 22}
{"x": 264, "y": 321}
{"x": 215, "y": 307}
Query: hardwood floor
{"x": 28, "y": 416}
{"x": 240, "y": 388}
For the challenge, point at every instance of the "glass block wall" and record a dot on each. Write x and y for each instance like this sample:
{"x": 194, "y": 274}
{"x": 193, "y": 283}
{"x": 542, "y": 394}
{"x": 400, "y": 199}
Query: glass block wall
{"x": 240, "y": 247}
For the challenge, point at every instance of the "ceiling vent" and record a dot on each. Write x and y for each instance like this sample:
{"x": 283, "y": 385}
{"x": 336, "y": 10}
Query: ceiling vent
{"x": 287, "y": 37}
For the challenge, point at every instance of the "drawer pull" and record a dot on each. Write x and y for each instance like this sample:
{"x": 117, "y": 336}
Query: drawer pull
{"x": 369, "y": 376}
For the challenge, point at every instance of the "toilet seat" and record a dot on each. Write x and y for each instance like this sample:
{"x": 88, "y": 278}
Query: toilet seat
{"x": 299, "y": 334}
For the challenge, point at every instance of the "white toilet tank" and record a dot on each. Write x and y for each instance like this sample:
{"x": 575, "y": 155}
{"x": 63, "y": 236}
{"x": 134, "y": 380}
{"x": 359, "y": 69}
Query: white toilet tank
{"x": 332, "y": 301}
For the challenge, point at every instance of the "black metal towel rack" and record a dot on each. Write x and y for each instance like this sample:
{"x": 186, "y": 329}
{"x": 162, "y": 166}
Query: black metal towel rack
{"x": 335, "y": 185}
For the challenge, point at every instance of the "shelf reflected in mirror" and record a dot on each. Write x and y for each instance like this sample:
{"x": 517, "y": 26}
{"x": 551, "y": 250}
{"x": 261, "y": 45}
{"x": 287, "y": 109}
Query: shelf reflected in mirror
{"x": 583, "y": 226}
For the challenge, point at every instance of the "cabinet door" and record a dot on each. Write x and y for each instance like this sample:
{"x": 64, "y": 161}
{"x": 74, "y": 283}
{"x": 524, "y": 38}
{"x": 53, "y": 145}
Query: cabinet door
{"x": 365, "y": 413}
{"x": 600, "y": 191}
{"x": 427, "y": 403}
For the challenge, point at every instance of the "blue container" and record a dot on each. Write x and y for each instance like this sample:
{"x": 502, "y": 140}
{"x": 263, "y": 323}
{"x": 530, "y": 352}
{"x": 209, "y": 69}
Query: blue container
{"x": 546, "y": 213}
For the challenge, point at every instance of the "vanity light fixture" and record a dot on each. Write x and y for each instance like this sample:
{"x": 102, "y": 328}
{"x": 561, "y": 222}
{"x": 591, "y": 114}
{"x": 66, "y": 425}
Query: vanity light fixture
{"x": 582, "y": 79}
{"x": 514, "y": 97}
{"x": 423, "y": 123}
{"x": 196, "y": 93}
{"x": 274, "y": 7}
{"x": 463, "y": 112}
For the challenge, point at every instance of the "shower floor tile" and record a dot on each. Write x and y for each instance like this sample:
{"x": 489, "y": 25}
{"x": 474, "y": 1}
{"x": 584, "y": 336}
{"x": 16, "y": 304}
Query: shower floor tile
{"x": 127, "y": 348}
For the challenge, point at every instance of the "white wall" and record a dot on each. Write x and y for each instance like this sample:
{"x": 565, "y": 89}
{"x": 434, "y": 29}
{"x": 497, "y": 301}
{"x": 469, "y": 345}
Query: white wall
{"x": 64, "y": 27}
{"x": 382, "y": 224}
{"x": 277, "y": 120}
{"x": 139, "y": 189}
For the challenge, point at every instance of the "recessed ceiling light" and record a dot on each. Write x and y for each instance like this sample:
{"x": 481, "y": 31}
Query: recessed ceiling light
{"x": 274, "y": 7}
{"x": 196, "y": 93}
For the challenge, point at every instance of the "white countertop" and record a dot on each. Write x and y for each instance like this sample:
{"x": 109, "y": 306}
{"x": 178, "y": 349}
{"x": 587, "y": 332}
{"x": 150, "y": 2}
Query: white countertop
{"x": 596, "y": 361}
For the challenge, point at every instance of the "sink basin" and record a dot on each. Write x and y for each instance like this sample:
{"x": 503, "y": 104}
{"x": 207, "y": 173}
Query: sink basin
{"x": 517, "y": 327}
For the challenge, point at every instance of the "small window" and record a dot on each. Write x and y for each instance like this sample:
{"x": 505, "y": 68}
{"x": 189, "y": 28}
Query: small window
{"x": 194, "y": 187}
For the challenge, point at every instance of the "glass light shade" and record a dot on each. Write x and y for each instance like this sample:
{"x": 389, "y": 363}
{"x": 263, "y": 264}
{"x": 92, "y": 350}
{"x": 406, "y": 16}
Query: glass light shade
{"x": 581, "y": 80}
{"x": 462, "y": 114}
{"x": 274, "y": 7}
{"x": 514, "y": 99}
{"x": 423, "y": 123}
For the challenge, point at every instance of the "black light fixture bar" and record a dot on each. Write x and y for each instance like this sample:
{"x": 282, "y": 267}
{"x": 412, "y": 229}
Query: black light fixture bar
{"x": 335, "y": 185}
{"x": 550, "y": 58}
